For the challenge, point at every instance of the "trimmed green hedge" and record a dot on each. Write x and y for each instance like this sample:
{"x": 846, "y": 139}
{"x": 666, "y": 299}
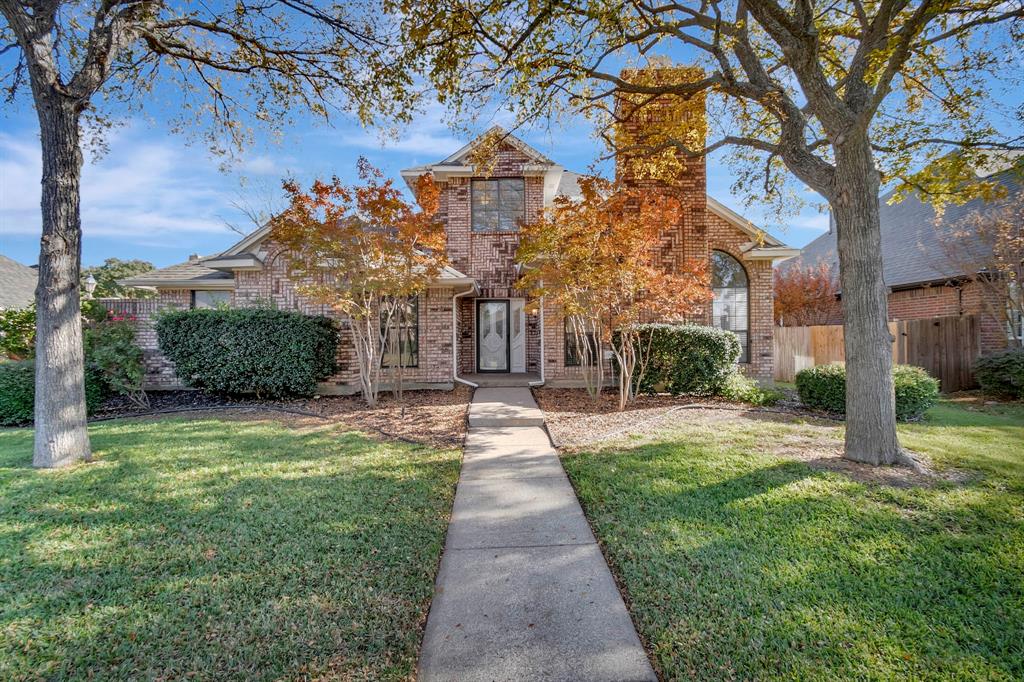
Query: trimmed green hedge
{"x": 824, "y": 388}
{"x": 688, "y": 359}
{"x": 1002, "y": 374}
{"x": 18, "y": 392}
{"x": 270, "y": 353}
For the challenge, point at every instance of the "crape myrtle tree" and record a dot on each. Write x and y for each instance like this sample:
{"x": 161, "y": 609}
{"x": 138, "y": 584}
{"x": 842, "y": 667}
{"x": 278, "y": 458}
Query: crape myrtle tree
{"x": 597, "y": 259}
{"x": 840, "y": 96}
{"x": 221, "y": 66}
{"x": 366, "y": 252}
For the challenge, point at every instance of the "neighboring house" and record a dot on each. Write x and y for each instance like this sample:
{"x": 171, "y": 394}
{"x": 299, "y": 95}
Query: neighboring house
{"x": 923, "y": 282}
{"x": 17, "y": 284}
{"x": 473, "y": 321}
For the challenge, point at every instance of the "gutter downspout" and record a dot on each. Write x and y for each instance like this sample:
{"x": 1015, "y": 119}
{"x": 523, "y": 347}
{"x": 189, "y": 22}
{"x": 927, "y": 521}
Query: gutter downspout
{"x": 542, "y": 359}
{"x": 455, "y": 338}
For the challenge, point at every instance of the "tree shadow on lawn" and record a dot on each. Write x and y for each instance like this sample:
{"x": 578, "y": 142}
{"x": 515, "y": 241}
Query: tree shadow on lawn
{"x": 745, "y": 566}
{"x": 225, "y": 550}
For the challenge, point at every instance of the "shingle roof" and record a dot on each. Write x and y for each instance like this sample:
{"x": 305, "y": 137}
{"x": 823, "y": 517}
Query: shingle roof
{"x": 912, "y": 250}
{"x": 17, "y": 284}
{"x": 192, "y": 272}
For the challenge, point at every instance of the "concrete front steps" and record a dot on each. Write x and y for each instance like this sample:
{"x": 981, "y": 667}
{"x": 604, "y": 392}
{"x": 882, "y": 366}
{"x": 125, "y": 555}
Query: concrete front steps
{"x": 523, "y": 591}
{"x": 504, "y": 407}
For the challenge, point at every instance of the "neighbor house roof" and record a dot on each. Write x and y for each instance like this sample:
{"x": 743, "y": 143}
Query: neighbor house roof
{"x": 17, "y": 284}
{"x": 912, "y": 248}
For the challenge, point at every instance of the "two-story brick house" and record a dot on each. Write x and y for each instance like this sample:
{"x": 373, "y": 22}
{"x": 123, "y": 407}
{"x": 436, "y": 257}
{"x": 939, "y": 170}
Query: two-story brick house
{"x": 473, "y": 324}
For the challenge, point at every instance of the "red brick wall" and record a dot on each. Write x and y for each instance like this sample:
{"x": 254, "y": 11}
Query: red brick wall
{"x": 943, "y": 301}
{"x": 699, "y": 232}
{"x": 271, "y": 286}
{"x": 489, "y": 257}
{"x": 160, "y": 374}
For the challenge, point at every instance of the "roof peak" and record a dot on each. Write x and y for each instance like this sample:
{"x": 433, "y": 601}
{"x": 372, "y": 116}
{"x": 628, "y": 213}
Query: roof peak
{"x": 507, "y": 137}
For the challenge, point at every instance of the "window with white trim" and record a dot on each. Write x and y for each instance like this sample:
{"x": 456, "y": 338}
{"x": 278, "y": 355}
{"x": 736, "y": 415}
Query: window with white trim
{"x": 731, "y": 305}
{"x": 498, "y": 205}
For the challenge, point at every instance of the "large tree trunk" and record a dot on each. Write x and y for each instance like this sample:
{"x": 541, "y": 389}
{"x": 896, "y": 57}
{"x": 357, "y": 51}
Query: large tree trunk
{"x": 870, "y": 403}
{"x": 60, "y": 429}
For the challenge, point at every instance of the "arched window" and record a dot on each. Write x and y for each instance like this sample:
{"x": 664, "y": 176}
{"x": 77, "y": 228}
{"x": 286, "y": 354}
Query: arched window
{"x": 731, "y": 306}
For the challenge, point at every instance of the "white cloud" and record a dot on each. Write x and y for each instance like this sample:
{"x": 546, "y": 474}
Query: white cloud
{"x": 427, "y": 134}
{"x": 144, "y": 189}
{"x": 261, "y": 164}
{"x": 815, "y": 221}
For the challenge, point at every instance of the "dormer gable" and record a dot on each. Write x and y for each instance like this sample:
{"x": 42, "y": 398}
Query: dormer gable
{"x": 460, "y": 164}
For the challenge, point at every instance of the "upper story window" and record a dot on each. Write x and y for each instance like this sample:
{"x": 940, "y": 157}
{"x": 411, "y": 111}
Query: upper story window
{"x": 730, "y": 309}
{"x": 499, "y": 205}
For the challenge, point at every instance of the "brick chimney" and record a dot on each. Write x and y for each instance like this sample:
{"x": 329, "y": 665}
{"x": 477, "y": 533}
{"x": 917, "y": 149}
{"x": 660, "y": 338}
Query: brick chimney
{"x": 644, "y": 122}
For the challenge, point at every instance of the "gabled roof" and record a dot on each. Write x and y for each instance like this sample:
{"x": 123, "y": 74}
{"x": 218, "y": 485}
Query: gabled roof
{"x": 459, "y": 157}
{"x": 912, "y": 250}
{"x": 17, "y": 284}
{"x": 730, "y": 216}
{"x": 458, "y": 164}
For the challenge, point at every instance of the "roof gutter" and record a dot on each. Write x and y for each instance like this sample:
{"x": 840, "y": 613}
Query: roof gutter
{"x": 541, "y": 381}
{"x": 223, "y": 284}
{"x": 455, "y": 337}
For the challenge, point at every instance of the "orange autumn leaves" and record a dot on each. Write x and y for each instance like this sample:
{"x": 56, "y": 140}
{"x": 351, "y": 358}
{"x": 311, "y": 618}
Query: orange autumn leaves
{"x": 366, "y": 252}
{"x": 348, "y": 244}
{"x": 599, "y": 257}
{"x": 807, "y": 295}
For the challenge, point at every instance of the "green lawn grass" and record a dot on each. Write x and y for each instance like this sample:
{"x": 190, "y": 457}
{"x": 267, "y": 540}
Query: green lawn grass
{"x": 219, "y": 549}
{"x": 741, "y": 564}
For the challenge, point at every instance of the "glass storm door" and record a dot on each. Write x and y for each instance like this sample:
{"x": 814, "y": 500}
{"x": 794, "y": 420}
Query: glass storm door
{"x": 492, "y": 336}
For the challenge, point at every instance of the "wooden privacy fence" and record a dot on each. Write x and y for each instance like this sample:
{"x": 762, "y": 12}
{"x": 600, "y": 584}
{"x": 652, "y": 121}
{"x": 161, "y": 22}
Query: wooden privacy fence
{"x": 945, "y": 346}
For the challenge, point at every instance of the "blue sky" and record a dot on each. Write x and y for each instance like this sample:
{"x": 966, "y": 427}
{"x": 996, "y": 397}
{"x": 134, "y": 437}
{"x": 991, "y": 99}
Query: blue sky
{"x": 155, "y": 196}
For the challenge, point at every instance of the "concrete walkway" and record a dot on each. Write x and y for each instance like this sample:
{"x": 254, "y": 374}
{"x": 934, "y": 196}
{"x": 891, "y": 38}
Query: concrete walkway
{"x": 523, "y": 592}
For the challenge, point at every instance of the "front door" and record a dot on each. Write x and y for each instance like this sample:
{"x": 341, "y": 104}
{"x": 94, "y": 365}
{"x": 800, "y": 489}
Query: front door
{"x": 492, "y": 336}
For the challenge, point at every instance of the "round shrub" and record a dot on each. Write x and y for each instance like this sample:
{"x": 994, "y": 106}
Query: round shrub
{"x": 262, "y": 351}
{"x": 688, "y": 359}
{"x": 916, "y": 391}
{"x": 824, "y": 388}
{"x": 1002, "y": 374}
{"x": 18, "y": 392}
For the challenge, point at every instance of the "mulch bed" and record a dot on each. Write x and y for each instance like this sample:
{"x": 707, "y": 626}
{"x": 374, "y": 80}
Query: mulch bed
{"x": 576, "y": 422}
{"x": 436, "y": 418}
{"x": 574, "y": 419}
